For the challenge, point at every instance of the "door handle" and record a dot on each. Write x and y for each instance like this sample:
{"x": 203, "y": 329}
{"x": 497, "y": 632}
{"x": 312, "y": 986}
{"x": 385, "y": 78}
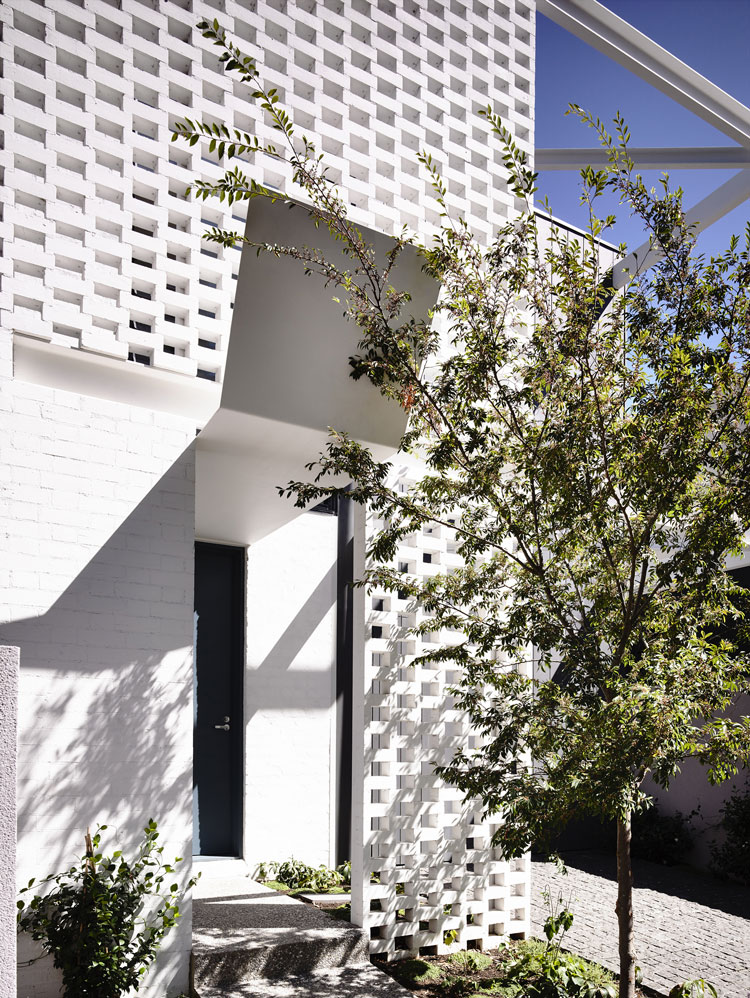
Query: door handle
{"x": 224, "y": 726}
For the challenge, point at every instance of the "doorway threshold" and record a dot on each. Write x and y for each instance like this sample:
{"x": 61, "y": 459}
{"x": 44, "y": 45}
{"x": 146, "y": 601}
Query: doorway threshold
{"x": 225, "y": 867}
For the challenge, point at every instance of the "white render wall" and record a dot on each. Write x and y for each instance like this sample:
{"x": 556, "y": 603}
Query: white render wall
{"x": 290, "y": 682}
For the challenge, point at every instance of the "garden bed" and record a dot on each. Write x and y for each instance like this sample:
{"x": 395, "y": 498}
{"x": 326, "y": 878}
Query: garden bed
{"x": 519, "y": 969}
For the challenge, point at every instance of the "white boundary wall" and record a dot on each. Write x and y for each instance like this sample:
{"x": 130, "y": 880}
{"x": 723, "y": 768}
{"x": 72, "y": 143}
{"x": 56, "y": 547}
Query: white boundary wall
{"x": 8, "y": 762}
{"x": 97, "y": 575}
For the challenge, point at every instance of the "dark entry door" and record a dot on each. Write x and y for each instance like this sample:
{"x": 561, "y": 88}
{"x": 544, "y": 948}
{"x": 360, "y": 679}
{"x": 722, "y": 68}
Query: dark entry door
{"x": 218, "y": 727}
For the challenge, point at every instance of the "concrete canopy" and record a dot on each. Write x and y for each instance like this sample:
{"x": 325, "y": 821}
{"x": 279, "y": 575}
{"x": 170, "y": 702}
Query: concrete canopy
{"x": 287, "y": 378}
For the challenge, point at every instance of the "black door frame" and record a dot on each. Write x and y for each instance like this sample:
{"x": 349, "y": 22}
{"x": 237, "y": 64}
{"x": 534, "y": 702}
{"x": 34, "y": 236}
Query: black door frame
{"x": 238, "y": 558}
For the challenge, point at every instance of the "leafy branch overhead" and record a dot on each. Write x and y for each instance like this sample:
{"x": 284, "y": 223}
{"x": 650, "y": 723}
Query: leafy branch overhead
{"x": 589, "y": 450}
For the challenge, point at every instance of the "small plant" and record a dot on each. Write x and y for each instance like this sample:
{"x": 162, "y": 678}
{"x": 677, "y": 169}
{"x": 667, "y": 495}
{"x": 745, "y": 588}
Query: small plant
{"x": 95, "y": 921}
{"x": 418, "y": 973}
{"x": 524, "y": 969}
{"x": 345, "y": 870}
{"x": 732, "y": 858}
{"x": 471, "y": 960}
{"x": 697, "y": 988}
{"x": 295, "y": 875}
{"x": 544, "y": 971}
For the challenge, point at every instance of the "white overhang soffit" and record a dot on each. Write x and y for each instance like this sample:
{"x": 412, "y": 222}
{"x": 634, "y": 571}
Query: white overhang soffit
{"x": 287, "y": 378}
{"x": 611, "y": 35}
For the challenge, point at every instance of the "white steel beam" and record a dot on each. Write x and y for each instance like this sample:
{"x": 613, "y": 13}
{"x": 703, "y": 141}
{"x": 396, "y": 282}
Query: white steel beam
{"x": 656, "y": 158}
{"x": 700, "y": 216}
{"x": 614, "y": 37}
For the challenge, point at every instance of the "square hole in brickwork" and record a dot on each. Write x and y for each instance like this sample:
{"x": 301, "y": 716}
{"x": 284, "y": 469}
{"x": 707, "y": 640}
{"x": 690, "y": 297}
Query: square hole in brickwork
{"x": 71, "y": 62}
{"x": 146, "y": 63}
{"x": 109, "y": 95}
{"x": 29, "y": 131}
{"x": 403, "y": 943}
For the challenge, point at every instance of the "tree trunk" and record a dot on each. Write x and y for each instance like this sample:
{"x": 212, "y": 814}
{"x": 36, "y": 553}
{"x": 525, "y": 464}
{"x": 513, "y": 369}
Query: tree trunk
{"x": 624, "y": 909}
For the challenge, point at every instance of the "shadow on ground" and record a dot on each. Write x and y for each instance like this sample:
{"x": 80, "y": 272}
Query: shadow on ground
{"x": 676, "y": 881}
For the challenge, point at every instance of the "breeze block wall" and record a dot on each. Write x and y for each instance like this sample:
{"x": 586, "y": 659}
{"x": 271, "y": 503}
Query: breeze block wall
{"x": 432, "y": 882}
{"x": 103, "y": 250}
{"x": 102, "y": 256}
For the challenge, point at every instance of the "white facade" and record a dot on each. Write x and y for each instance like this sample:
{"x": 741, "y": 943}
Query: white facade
{"x": 106, "y": 251}
{"x": 115, "y": 323}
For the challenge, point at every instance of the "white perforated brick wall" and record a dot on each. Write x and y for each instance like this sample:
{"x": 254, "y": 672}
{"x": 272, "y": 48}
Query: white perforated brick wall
{"x": 438, "y": 885}
{"x": 103, "y": 253}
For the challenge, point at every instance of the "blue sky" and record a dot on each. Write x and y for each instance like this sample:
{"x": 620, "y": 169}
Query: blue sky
{"x": 712, "y": 36}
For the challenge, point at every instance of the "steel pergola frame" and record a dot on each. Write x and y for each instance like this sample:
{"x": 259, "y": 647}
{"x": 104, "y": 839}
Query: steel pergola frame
{"x": 620, "y": 41}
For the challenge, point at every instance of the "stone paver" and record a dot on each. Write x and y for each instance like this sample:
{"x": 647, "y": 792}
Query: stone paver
{"x": 687, "y": 924}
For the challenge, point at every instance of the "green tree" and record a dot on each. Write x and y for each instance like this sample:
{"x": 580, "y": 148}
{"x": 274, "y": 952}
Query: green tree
{"x": 590, "y": 448}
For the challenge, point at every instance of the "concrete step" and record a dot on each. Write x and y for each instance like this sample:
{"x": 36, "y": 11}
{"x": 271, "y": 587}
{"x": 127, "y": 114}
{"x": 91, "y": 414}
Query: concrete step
{"x": 243, "y": 931}
{"x": 363, "y": 981}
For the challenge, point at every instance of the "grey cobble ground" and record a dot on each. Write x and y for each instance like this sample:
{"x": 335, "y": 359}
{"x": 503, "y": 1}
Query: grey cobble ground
{"x": 688, "y": 924}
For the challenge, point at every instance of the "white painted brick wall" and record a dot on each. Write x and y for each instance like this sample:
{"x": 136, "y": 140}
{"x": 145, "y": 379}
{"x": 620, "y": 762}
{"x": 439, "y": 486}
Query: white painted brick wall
{"x": 290, "y": 692}
{"x": 97, "y": 527}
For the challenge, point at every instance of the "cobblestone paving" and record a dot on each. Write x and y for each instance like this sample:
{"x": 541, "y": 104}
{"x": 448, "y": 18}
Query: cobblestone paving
{"x": 687, "y": 924}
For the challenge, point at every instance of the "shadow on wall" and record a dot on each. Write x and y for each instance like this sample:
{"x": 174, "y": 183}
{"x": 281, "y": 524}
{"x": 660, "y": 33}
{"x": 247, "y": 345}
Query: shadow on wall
{"x": 105, "y": 702}
{"x": 290, "y": 693}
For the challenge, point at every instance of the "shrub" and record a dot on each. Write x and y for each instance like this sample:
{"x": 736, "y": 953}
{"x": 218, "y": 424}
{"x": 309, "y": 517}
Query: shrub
{"x": 299, "y": 876}
{"x": 95, "y": 920}
{"x": 661, "y": 838}
{"x": 545, "y": 971}
{"x": 732, "y": 858}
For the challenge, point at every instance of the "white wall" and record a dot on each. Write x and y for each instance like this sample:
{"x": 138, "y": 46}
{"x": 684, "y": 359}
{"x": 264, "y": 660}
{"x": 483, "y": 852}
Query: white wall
{"x": 289, "y": 692}
{"x": 97, "y": 527}
{"x": 8, "y": 761}
{"x": 690, "y": 791}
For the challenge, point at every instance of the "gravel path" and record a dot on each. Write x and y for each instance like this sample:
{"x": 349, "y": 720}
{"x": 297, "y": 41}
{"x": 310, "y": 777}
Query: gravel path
{"x": 687, "y": 924}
